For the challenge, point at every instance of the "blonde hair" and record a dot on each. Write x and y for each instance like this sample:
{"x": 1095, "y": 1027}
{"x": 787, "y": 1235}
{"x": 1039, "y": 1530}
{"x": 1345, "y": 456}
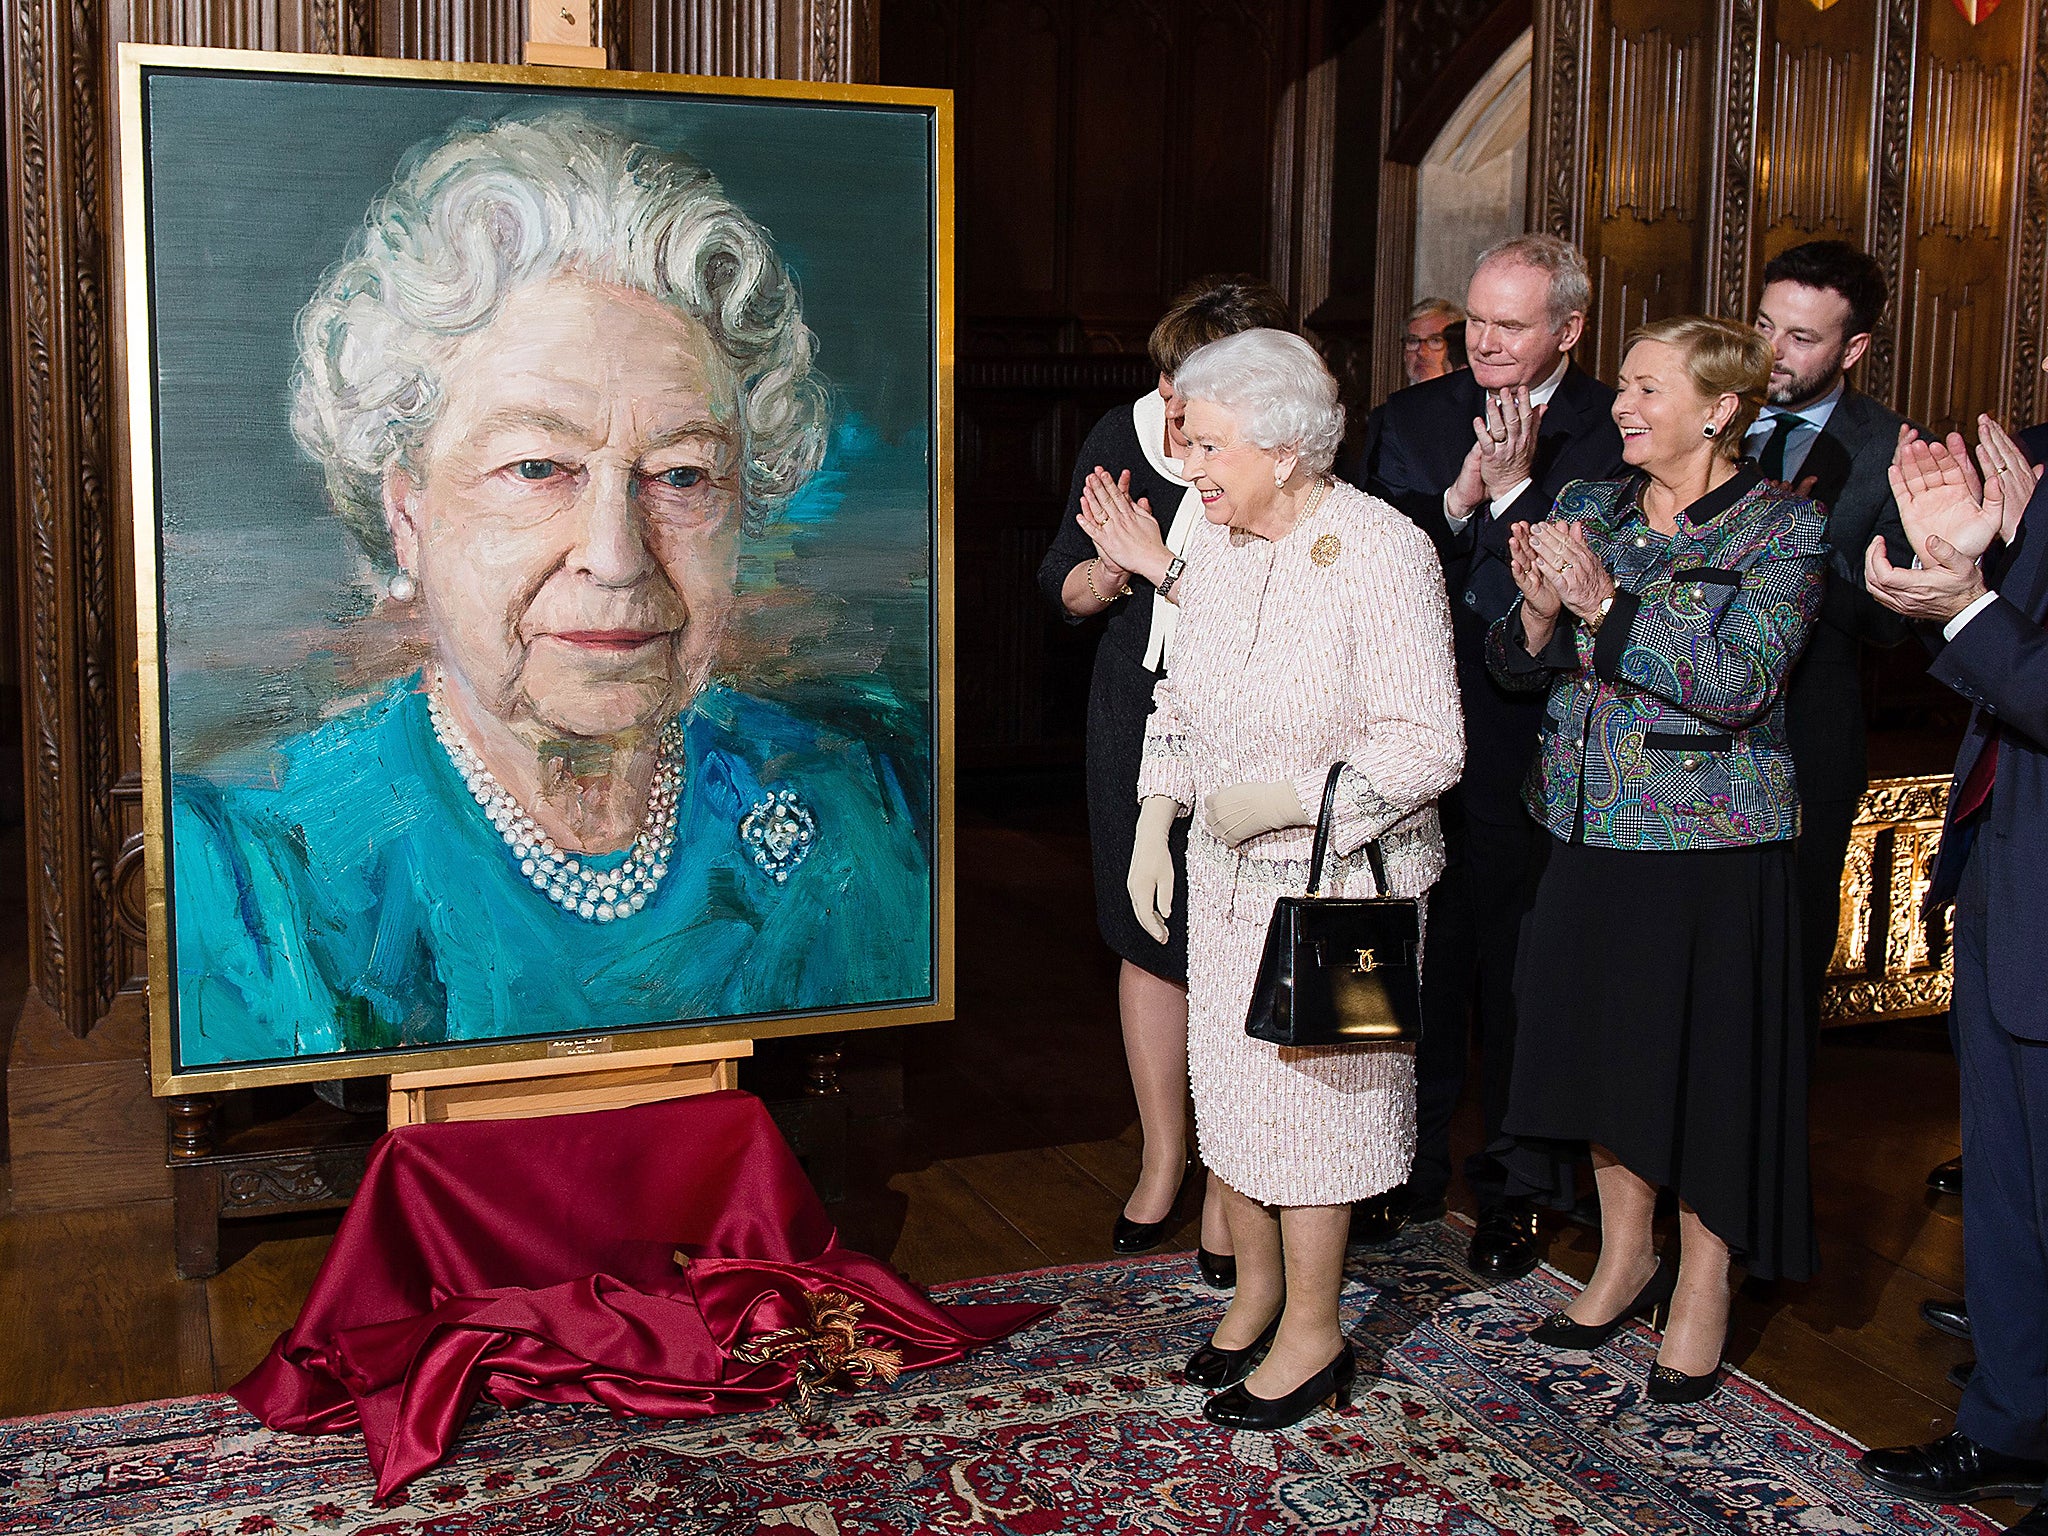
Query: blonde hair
{"x": 1721, "y": 358}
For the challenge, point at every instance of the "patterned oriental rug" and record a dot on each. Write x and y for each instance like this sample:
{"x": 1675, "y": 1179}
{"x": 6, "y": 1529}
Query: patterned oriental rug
{"x": 1080, "y": 1425}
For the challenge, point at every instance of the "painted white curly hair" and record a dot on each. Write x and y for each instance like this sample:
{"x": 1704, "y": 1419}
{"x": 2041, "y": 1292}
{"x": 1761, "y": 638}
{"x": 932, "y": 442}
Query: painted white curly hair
{"x": 1278, "y": 388}
{"x": 488, "y": 209}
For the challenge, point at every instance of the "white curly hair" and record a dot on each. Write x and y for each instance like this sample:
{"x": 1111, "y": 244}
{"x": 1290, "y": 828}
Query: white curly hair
{"x": 490, "y": 208}
{"x": 1276, "y": 386}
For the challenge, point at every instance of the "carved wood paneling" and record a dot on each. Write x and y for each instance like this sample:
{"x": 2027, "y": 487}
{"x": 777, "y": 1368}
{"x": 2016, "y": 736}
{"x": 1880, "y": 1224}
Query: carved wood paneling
{"x": 732, "y": 37}
{"x": 1808, "y": 170}
{"x": 1724, "y": 279}
{"x": 472, "y": 31}
{"x": 1893, "y": 123}
{"x": 1559, "y": 162}
{"x": 1885, "y": 233}
{"x": 1654, "y": 89}
{"x": 2028, "y": 343}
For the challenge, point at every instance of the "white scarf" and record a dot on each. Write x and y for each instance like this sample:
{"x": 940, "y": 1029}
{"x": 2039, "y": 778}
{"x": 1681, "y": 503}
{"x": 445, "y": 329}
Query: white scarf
{"x": 1148, "y": 415}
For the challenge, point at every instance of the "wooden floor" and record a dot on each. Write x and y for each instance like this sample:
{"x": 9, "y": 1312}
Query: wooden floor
{"x": 1015, "y": 1149}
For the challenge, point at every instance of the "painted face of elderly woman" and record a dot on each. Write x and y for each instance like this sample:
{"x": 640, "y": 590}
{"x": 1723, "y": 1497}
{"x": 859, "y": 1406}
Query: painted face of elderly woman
{"x": 598, "y": 375}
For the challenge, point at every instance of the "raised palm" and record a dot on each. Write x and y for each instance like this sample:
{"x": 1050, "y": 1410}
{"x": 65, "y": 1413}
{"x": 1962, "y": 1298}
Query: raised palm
{"x": 1939, "y": 498}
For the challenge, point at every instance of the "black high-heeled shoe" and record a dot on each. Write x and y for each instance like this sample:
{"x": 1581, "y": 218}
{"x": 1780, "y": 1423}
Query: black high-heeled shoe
{"x": 1219, "y": 1270}
{"x": 1129, "y": 1236}
{"x": 1216, "y": 1368}
{"x": 1561, "y": 1332}
{"x": 1669, "y": 1385}
{"x": 1241, "y": 1408}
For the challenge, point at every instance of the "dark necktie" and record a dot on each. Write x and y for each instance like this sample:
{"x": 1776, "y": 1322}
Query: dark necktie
{"x": 1772, "y": 460}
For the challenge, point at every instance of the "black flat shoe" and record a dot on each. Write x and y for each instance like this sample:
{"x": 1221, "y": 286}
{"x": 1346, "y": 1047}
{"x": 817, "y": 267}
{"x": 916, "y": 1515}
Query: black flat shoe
{"x": 1504, "y": 1246}
{"x": 1218, "y": 1368}
{"x": 1674, "y": 1386}
{"x": 1953, "y": 1470}
{"x": 1240, "y": 1408}
{"x": 1946, "y": 1178}
{"x": 1561, "y": 1332}
{"x": 1128, "y": 1236}
{"x": 1949, "y": 1317}
{"x": 1219, "y": 1270}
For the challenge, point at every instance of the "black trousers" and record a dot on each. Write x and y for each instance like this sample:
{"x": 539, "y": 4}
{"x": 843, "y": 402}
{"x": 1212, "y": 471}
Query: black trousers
{"x": 1823, "y": 848}
{"x": 1475, "y": 919}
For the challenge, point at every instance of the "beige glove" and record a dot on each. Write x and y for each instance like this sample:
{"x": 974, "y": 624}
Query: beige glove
{"x": 1239, "y": 812}
{"x": 1151, "y": 877}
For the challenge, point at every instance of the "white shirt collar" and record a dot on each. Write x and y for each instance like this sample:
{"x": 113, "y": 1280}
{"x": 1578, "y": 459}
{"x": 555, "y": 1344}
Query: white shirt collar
{"x": 1541, "y": 394}
{"x": 1148, "y": 415}
{"x": 1815, "y": 415}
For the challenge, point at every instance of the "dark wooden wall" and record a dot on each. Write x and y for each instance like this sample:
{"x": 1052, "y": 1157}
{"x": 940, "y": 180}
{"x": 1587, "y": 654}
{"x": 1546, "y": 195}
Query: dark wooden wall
{"x": 1682, "y": 142}
{"x": 1109, "y": 151}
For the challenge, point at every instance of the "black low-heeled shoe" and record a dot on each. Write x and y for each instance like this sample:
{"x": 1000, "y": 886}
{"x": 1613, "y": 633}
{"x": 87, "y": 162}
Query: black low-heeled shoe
{"x": 1241, "y": 1408}
{"x": 1559, "y": 1331}
{"x": 1218, "y": 1368}
{"x": 1668, "y": 1385}
{"x": 1128, "y": 1236}
{"x": 1219, "y": 1270}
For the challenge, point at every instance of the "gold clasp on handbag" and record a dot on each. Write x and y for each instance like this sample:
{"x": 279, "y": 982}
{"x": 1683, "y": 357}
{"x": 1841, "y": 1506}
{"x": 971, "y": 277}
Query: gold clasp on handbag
{"x": 1366, "y": 963}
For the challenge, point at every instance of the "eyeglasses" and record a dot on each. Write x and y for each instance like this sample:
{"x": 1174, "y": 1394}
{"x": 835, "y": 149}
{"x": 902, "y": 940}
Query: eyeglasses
{"x": 1434, "y": 343}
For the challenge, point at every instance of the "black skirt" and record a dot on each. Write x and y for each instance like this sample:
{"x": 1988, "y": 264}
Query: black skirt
{"x": 1119, "y": 700}
{"x": 1659, "y": 1015}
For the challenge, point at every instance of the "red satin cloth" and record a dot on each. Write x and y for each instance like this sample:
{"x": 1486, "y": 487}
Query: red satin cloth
{"x": 534, "y": 1259}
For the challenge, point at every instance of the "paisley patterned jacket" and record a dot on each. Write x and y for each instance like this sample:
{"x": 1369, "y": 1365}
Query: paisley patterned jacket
{"x": 1666, "y": 731}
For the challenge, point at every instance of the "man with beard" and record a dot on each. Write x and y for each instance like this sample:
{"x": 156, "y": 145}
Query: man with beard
{"x": 1456, "y": 454}
{"x": 1820, "y": 303}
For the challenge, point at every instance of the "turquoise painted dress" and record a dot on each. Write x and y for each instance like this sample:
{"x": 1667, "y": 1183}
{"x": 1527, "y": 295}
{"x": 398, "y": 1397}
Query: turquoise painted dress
{"x": 360, "y": 901}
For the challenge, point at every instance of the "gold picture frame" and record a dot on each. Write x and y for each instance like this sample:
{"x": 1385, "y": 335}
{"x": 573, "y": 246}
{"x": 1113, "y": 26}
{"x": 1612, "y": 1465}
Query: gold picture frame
{"x": 175, "y": 1069}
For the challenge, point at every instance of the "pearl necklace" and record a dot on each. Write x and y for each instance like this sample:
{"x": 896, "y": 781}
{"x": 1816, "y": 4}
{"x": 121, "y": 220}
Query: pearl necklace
{"x": 595, "y": 895}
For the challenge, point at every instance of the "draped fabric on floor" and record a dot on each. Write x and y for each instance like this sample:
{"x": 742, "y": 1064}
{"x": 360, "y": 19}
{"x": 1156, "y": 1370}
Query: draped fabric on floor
{"x": 537, "y": 1259}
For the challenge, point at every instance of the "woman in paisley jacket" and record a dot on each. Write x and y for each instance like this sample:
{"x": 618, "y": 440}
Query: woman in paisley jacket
{"x": 1658, "y": 974}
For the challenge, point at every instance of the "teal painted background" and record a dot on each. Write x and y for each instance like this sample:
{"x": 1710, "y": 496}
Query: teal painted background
{"x": 256, "y": 185}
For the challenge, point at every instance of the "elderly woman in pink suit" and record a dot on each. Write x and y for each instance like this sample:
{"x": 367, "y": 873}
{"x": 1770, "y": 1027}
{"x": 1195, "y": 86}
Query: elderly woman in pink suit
{"x": 1313, "y": 630}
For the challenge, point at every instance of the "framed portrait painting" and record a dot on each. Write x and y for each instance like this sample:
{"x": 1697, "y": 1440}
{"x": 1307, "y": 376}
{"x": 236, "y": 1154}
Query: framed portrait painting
{"x": 542, "y": 488}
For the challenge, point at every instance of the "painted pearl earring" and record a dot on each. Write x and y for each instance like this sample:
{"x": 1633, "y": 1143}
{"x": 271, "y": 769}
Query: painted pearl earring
{"x": 402, "y": 588}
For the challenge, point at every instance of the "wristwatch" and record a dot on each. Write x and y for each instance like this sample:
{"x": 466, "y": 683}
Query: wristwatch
{"x": 1172, "y": 575}
{"x": 1600, "y": 615}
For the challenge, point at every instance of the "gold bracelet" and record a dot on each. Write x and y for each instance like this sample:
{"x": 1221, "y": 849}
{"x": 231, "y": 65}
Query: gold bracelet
{"x": 1088, "y": 575}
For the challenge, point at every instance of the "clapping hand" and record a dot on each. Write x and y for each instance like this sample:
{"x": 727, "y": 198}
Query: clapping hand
{"x": 1507, "y": 439}
{"x": 1947, "y": 582}
{"x": 2016, "y": 475}
{"x": 1568, "y": 563}
{"x": 1125, "y": 533}
{"x": 1941, "y": 500}
{"x": 1540, "y": 600}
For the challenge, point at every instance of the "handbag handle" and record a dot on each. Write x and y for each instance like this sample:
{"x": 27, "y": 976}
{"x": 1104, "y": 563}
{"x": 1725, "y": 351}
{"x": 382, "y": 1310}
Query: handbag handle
{"x": 1322, "y": 842}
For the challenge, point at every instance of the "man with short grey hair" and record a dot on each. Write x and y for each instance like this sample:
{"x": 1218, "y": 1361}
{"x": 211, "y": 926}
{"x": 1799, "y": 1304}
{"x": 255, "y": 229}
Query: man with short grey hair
{"x": 1434, "y": 341}
{"x": 1458, "y": 454}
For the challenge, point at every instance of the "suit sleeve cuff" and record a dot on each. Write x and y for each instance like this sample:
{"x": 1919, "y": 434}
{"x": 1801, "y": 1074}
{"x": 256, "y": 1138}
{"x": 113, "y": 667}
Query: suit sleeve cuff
{"x": 1955, "y": 625}
{"x": 1613, "y": 637}
{"x": 1458, "y": 524}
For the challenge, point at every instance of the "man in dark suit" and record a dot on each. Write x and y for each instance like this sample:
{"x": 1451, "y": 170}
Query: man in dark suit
{"x": 1457, "y": 454}
{"x": 1820, "y": 303}
{"x": 1983, "y": 580}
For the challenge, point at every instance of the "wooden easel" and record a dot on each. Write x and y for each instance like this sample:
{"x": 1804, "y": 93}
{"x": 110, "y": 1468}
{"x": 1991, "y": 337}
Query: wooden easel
{"x": 597, "y": 1077}
{"x": 588, "y": 1074}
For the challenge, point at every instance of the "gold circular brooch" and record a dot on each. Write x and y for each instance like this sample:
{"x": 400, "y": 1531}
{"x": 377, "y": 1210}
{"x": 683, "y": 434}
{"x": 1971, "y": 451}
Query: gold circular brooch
{"x": 1326, "y": 550}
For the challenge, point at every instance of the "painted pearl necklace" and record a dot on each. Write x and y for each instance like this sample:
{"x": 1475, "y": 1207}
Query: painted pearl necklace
{"x": 595, "y": 895}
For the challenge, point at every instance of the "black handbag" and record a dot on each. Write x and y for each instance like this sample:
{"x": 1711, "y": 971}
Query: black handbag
{"x": 1339, "y": 971}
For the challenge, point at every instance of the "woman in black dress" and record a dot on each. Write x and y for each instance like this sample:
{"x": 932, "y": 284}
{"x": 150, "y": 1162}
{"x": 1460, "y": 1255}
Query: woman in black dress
{"x": 1657, "y": 978}
{"x": 1107, "y": 559}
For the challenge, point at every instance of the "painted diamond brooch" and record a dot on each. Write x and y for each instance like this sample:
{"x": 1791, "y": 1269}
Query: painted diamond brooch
{"x": 779, "y": 832}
